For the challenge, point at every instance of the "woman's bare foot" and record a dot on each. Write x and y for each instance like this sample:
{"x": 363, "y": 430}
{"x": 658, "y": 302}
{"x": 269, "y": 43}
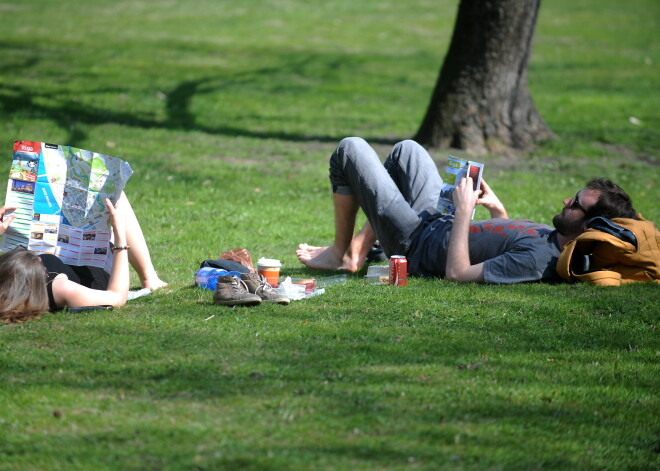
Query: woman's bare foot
{"x": 326, "y": 258}
{"x": 153, "y": 283}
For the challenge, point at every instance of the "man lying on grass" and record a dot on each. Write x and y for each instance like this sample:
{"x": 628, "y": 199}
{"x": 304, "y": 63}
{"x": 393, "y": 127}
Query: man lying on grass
{"x": 400, "y": 198}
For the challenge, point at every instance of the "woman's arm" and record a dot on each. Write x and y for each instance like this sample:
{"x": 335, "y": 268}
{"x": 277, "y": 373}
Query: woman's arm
{"x": 71, "y": 294}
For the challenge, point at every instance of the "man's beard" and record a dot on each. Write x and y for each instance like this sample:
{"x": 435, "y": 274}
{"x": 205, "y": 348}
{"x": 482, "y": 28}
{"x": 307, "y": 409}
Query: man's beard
{"x": 567, "y": 227}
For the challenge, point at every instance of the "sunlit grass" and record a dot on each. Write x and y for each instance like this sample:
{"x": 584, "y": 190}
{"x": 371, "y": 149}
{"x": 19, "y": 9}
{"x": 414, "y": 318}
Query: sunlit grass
{"x": 228, "y": 113}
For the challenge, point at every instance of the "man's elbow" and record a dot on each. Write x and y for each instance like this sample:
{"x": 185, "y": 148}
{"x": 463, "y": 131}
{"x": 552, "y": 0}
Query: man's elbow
{"x": 453, "y": 275}
{"x": 472, "y": 275}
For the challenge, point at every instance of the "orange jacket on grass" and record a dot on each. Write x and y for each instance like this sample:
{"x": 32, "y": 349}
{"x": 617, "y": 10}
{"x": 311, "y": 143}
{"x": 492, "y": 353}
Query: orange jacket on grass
{"x": 600, "y": 258}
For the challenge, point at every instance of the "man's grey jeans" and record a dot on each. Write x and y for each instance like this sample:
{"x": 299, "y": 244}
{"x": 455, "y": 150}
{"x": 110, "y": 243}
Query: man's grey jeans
{"x": 396, "y": 196}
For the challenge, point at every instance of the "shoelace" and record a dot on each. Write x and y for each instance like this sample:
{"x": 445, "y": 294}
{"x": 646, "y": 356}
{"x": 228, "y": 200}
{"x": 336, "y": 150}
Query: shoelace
{"x": 236, "y": 287}
{"x": 264, "y": 285}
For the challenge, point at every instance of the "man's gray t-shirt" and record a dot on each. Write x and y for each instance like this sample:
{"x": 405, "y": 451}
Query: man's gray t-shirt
{"x": 513, "y": 251}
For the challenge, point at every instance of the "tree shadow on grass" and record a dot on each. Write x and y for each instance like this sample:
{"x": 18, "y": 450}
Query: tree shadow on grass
{"x": 67, "y": 112}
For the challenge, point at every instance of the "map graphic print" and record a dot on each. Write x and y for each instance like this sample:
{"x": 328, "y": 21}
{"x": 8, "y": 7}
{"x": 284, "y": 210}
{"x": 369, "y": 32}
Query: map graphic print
{"x": 90, "y": 179}
{"x": 60, "y": 193}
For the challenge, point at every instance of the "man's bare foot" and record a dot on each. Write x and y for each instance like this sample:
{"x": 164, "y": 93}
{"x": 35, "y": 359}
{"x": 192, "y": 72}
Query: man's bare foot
{"x": 326, "y": 258}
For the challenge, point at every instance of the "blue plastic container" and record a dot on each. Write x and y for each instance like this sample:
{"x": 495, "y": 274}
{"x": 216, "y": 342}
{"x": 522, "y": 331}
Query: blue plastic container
{"x": 207, "y": 277}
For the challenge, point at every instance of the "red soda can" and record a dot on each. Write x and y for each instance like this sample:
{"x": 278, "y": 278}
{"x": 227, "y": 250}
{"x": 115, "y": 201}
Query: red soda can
{"x": 398, "y": 270}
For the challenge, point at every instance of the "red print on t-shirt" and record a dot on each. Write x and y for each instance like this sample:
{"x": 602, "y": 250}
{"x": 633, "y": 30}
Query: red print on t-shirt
{"x": 500, "y": 228}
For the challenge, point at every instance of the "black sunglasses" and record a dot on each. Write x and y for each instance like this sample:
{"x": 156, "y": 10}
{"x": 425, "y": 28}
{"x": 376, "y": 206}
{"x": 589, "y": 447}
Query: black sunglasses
{"x": 575, "y": 204}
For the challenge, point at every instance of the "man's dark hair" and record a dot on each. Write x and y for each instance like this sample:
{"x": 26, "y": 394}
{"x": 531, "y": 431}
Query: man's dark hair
{"x": 614, "y": 202}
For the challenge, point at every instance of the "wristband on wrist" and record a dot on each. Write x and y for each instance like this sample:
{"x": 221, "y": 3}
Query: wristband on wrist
{"x": 118, "y": 248}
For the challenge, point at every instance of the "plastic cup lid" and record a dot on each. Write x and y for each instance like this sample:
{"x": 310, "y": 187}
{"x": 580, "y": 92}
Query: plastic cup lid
{"x": 268, "y": 262}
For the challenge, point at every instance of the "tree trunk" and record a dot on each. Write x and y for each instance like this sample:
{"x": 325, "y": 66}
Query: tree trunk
{"x": 481, "y": 102}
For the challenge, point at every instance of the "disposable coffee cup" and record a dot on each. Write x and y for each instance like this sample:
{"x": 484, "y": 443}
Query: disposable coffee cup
{"x": 270, "y": 269}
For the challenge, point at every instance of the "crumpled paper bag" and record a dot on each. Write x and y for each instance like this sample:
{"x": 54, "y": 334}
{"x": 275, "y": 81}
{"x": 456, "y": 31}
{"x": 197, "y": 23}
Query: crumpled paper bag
{"x": 239, "y": 255}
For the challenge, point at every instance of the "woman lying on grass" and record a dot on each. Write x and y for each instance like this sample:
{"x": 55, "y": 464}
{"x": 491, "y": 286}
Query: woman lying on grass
{"x": 33, "y": 284}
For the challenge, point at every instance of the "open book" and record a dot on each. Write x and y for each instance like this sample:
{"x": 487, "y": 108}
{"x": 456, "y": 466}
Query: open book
{"x": 455, "y": 171}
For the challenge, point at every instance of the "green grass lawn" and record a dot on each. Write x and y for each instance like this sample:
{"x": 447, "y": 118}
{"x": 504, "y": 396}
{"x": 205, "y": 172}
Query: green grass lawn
{"x": 228, "y": 112}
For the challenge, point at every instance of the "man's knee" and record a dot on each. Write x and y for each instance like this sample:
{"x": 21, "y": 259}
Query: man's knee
{"x": 406, "y": 147}
{"x": 351, "y": 145}
{"x": 348, "y": 149}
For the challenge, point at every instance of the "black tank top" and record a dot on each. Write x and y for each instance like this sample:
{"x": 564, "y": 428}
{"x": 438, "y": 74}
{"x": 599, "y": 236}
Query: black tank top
{"x": 91, "y": 277}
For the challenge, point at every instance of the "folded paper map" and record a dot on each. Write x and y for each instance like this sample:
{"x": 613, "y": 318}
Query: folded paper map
{"x": 59, "y": 193}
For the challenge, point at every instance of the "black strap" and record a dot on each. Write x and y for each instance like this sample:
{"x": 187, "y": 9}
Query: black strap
{"x": 605, "y": 225}
{"x": 228, "y": 265}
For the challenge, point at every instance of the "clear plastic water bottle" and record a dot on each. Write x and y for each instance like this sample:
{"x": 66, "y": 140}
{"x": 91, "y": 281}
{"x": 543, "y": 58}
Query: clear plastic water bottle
{"x": 207, "y": 277}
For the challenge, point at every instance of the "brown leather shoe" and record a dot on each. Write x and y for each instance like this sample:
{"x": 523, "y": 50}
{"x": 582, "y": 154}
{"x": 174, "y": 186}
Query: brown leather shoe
{"x": 232, "y": 291}
{"x": 258, "y": 285}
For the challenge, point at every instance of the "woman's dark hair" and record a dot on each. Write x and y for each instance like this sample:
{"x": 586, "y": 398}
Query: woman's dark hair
{"x": 23, "y": 294}
{"x": 613, "y": 202}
